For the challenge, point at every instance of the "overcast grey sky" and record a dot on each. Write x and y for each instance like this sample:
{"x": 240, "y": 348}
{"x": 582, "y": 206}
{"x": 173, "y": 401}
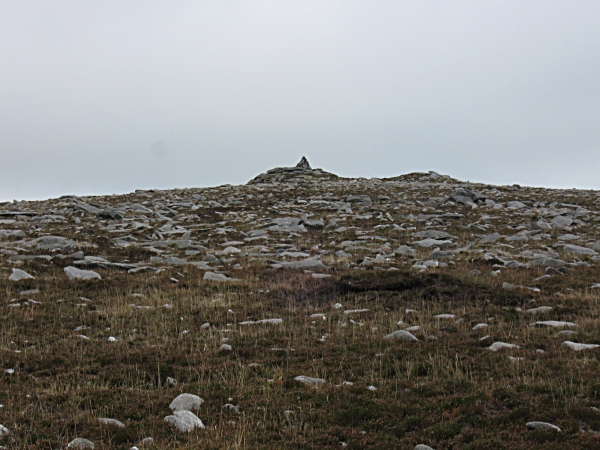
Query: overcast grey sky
{"x": 109, "y": 96}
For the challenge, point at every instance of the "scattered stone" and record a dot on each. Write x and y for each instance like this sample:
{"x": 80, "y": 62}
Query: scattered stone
{"x": 401, "y": 335}
{"x": 113, "y": 422}
{"x": 554, "y": 323}
{"x": 186, "y": 402}
{"x": 542, "y": 426}
{"x": 18, "y": 275}
{"x": 211, "y": 276}
{"x": 81, "y": 443}
{"x": 73, "y": 273}
{"x": 309, "y": 380}
{"x": 185, "y": 421}
{"x": 578, "y": 347}
{"x": 500, "y": 345}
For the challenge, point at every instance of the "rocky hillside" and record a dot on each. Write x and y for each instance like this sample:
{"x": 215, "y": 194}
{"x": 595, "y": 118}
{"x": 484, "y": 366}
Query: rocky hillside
{"x": 303, "y": 310}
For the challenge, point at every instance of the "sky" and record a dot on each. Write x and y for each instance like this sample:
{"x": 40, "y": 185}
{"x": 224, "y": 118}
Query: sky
{"x": 104, "y": 97}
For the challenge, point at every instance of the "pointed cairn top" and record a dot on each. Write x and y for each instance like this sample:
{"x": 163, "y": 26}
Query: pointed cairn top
{"x": 303, "y": 164}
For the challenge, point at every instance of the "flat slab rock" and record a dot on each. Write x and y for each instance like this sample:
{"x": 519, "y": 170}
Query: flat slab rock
{"x": 184, "y": 421}
{"x": 73, "y": 273}
{"x": 18, "y": 275}
{"x": 500, "y": 345}
{"x": 542, "y": 426}
{"x": 554, "y": 323}
{"x": 211, "y": 276}
{"x": 186, "y": 402}
{"x": 309, "y": 380}
{"x": 578, "y": 347}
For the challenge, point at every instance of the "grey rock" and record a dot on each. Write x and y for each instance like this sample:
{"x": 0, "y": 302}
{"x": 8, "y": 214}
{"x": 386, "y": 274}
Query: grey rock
{"x": 401, "y": 335}
{"x": 577, "y": 250}
{"x": 542, "y": 426}
{"x": 500, "y": 345}
{"x": 539, "y": 310}
{"x": 490, "y": 239}
{"x": 308, "y": 264}
{"x": 81, "y": 443}
{"x": 230, "y": 408}
{"x": 185, "y": 421}
{"x": 554, "y": 323}
{"x": 113, "y": 422}
{"x": 404, "y": 250}
{"x": 433, "y": 234}
{"x": 12, "y": 233}
{"x": 422, "y": 447}
{"x": 314, "y": 224}
{"x": 428, "y": 243}
{"x": 303, "y": 164}
{"x": 186, "y": 402}
{"x": 18, "y": 275}
{"x": 309, "y": 380}
{"x": 440, "y": 254}
{"x": 562, "y": 221}
{"x": 73, "y": 273}
{"x": 579, "y": 347}
{"x": 211, "y": 276}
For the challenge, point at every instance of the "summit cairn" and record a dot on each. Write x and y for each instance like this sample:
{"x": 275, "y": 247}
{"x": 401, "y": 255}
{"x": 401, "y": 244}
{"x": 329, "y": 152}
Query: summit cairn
{"x": 303, "y": 164}
{"x": 301, "y": 171}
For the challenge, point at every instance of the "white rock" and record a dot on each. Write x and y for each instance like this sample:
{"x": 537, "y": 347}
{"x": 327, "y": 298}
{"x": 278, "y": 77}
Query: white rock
{"x": 372, "y": 388}
{"x": 539, "y": 310}
{"x": 422, "y": 447}
{"x": 500, "y": 345}
{"x": 73, "y": 273}
{"x": 479, "y": 326}
{"x": 225, "y": 348}
{"x": 184, "y": 421}
{"x": 271, "y": 321}
{"x": 309, "y": 380}
{"x": 81, "y": 443}
{"x": 444, "y": 316}
{"x": 186, "y": 402}
{"x": 211, "y": 276}
{"x": 554, "y": 323}
{"x": 4, "y": 430}
{"x": 355, "y": 311}
{"x": 112, "y": 339}
{"x": 578, "y": 347}
{"x": 541, "y": 426}
{"x": 566, "y": 333}
{"x": 114, "y": 422}
{"x": 401, "y": 335}
{"x": 320, "y": 275}
{"x": 18, "y": 275}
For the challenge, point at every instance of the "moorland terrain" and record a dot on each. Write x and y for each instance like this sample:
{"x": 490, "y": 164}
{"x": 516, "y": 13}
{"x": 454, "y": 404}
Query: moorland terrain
{"x": 303, "y": 310}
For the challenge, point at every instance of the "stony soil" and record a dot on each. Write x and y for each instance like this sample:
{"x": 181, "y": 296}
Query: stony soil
{"x": 487, "y": 282}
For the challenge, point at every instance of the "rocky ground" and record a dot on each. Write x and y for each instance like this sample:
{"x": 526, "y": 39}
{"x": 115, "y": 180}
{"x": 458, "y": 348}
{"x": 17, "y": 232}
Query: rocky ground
{"x": 303, "y": 310}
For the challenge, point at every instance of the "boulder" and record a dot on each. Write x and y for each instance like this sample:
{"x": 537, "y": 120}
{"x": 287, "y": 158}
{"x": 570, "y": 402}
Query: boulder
{"x": 185, "y": 421}
{"x": 18, "y": 275}
{"x": 73, "y": 273}
{"x": 186, "y": 402}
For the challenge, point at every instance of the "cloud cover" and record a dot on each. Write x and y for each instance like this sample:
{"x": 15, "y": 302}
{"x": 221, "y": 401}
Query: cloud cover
{"x": 107, "y": 97}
